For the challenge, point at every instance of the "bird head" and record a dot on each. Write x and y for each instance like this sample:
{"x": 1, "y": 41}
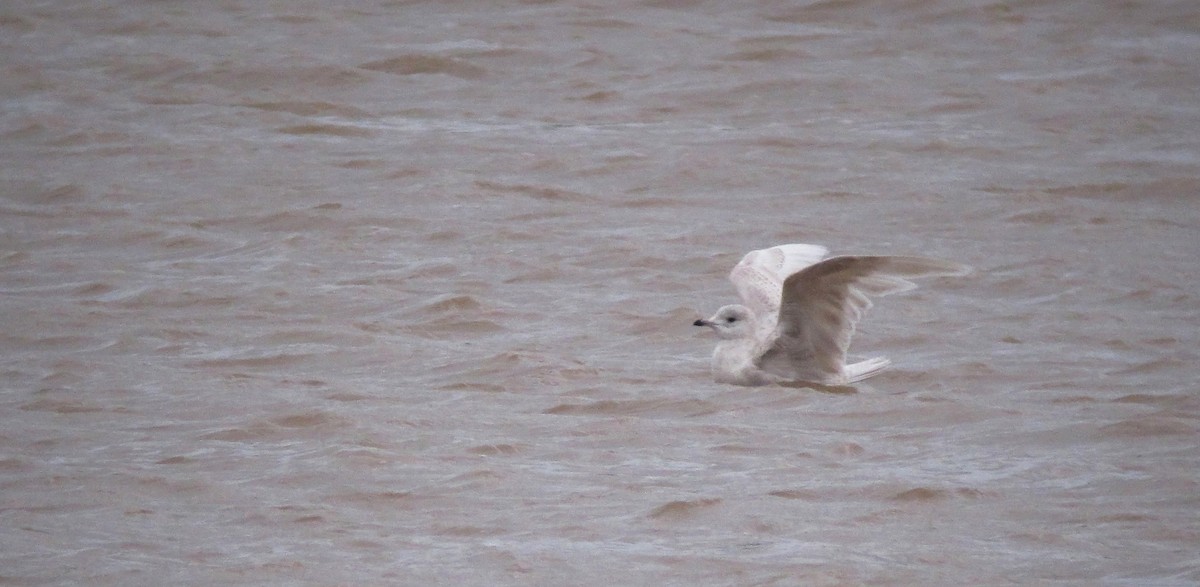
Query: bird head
{"x": 730, "y": 322}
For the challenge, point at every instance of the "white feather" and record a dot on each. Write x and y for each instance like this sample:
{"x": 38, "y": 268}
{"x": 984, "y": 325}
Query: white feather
{"x": 800, "y": 312}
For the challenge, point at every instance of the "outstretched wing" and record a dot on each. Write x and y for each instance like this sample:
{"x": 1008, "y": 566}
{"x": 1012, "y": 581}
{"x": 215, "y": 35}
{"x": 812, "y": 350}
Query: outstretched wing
{"x": 759, "y": 276}
{"x": 822, "y": 304}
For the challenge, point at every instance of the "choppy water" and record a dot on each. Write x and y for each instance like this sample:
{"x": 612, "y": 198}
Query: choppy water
{"x": 392, "y": 293}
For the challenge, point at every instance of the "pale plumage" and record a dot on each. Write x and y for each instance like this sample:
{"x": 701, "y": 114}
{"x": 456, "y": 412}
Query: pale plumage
{"x": 800, "y": 312}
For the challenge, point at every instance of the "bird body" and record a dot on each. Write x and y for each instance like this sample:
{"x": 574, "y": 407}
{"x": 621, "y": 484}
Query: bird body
{"x": 799, "y": 313}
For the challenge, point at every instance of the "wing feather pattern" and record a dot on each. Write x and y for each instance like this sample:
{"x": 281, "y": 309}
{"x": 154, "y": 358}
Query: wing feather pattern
{"x": 759, "y": 276}
{"x": 821, "y": 304}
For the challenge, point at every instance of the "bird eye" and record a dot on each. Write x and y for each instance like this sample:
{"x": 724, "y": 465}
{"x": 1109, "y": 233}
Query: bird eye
{"x": 731, "y": 319}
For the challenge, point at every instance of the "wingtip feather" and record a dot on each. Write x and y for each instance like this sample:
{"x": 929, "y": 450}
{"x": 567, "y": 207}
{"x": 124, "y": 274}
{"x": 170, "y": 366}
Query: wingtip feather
{"x": 924, "y": 267}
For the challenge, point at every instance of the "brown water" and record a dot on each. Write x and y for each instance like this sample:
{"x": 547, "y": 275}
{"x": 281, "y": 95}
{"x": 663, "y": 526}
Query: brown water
{"x": 392, "y": 293}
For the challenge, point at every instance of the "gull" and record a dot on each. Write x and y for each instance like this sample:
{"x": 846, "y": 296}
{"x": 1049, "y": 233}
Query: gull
{"x": 799, "y": 311}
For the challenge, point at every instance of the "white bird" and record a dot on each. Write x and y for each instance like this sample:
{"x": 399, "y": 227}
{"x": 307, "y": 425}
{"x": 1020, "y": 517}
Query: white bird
{"x": 800, "y": 311}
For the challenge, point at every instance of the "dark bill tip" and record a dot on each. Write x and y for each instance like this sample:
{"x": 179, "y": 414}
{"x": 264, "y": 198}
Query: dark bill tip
{"x": 699, "y": 323}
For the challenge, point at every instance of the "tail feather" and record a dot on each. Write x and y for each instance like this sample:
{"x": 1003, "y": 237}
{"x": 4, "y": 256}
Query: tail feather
{"x": 864, "y": 369}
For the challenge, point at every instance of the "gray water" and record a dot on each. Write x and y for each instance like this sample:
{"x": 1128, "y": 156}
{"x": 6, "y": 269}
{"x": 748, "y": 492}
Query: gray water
{"x": 392, "y": 293}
